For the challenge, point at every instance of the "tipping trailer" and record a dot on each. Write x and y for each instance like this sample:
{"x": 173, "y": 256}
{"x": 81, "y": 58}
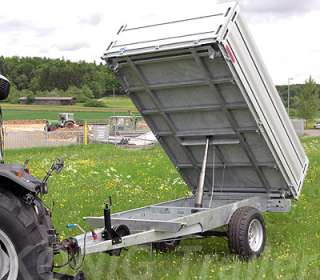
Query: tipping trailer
{"x": 203, "y": 89}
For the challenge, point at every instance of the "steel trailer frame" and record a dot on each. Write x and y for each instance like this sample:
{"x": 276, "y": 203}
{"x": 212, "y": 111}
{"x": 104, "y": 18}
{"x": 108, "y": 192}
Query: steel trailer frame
{"x": 211, "y": 104}
{"x": 176, "y": 219}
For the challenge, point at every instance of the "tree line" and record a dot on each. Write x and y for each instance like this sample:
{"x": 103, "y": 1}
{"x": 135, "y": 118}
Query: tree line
{"x": 304, "y": 99}
{"x": 35, "y": 76}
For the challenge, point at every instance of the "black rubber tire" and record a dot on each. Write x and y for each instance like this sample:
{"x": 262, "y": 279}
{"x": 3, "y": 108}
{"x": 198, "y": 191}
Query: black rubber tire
{"x": 121, "y": 230}
{"x": 165, "y": 246}
{"x": 238, "y": 232}
{"x": 29, "y": 232}
{"x": 52, "y": 127}
{"x": 69, "y": 124}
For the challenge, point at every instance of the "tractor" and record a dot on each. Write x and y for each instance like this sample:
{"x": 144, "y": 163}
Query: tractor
{"x": 28, "y": 240}
{"x": 65, "y": 120}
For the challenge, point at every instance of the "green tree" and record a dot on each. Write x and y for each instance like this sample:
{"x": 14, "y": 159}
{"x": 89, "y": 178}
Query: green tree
{"x": 43, "y": 74}
{"x": 14, "y": 95}
{"x": 55, "y": 93}
{"x": 58, "y": 77}
{"x": 82, "y": 94}
{"x": 85, "y": 95}
{"x": 29, "y": 94}
{"x": 308, "y": 100}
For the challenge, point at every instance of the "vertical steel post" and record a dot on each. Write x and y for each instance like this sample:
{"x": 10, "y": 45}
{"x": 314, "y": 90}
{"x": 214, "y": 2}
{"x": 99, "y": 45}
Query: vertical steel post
{"x": 200, "y": 190}
{"x": 289, "y": 79}
{"x": 85, "y": 136}
{"x": 46, "y": 136}
{"x": 213, "y": 173}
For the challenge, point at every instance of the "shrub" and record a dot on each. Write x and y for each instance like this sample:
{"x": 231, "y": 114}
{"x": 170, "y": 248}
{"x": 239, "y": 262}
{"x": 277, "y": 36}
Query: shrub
{"x": 82, "y": 95}
{"x": 30, "y": 99}
{"x": 14, "y": 95}
{"x": 29, "y": 94}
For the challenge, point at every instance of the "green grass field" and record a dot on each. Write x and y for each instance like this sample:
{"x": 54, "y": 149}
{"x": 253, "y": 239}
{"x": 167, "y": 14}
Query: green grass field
{"x": 115, "y": 106}
{"x": 53, "y": 115}
{"x": 118, "y": 102}
{"x": 136, "y": 178}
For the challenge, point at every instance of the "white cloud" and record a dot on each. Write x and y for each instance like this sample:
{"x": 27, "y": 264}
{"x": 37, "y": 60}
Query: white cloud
{"x": 93, "y": 19}
{"x": 74, "y": 46}
{"x": 285, "y": 30}
{"x": 278, "y": 7}
{"x": 17, "y": 25}
{"x": 283, "y": 7}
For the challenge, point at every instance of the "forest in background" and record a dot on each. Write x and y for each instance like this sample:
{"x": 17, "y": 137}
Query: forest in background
{"x": 35, "y": 76}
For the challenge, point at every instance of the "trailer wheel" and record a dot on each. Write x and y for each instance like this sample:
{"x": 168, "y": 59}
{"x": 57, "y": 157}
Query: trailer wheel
{"x": 25, "y": 253}
{"x": 247, "y": 233}
{"x": 165, "y": 246}
{"x": 121, "y": 230}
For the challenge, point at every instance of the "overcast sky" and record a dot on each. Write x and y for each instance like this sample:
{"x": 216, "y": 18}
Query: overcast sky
{"x": 286, "y": 31}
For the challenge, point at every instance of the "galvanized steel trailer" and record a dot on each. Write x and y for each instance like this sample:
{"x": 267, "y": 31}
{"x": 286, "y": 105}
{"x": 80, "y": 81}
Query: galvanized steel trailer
{"x": 202, "y": 87}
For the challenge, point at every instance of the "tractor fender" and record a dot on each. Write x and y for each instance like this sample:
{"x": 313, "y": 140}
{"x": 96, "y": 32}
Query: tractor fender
{"x": 22, "y": 183}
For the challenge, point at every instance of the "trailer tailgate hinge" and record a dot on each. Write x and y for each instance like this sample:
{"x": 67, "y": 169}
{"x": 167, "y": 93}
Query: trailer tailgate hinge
{"x": 279, "y": 205}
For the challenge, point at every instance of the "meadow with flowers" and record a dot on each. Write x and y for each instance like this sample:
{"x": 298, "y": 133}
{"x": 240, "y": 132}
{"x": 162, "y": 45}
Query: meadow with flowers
{"x": 135, "y": 178}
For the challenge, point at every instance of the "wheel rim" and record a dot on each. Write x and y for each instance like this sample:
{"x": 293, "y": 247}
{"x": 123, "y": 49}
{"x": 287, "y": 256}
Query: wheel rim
{"x": 8, "y": 258}
{"x": 255, "y": 235}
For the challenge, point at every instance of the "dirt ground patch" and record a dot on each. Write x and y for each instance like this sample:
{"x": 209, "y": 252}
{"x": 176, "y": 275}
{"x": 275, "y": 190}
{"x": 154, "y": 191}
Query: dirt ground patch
{"x": 312, "y": 132}
{"x": 25, "y": 125}
{"x": 32, "y": 133}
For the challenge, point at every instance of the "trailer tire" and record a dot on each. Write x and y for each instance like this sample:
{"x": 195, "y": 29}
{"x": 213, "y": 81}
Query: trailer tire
{"x": 165, "y": 246}
{"x": 28, "y": 233}
{"x": 247, "y": 233}
{"x": 121, "y": 230}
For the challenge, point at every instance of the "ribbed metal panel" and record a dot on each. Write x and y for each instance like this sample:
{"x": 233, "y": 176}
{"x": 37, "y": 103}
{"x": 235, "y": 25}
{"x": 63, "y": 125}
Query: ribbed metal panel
{"x": 213, "y": 85}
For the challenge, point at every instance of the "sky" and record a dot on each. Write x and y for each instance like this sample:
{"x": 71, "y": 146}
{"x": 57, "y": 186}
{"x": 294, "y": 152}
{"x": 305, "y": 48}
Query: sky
{"x": 286, "y": 31}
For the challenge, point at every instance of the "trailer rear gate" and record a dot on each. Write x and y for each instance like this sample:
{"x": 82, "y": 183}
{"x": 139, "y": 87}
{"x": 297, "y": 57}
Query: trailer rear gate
{"x": 203, "y": 89}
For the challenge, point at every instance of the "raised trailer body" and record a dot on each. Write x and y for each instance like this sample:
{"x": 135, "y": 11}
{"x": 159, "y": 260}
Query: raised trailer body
{"x": 203, "y": 89}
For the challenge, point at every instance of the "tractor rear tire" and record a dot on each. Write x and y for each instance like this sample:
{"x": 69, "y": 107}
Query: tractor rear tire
{"x": 27, "y": 228}
{"x": 69, "y": 124}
